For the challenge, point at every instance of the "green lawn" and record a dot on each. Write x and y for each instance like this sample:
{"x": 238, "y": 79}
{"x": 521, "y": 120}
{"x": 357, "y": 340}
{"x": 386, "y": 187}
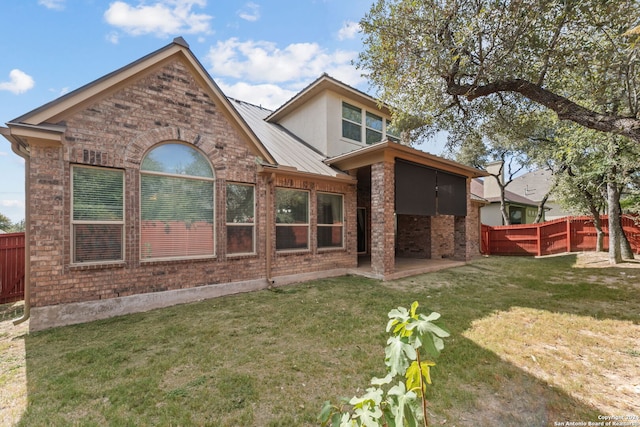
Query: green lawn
{"x": 534, "y": 342}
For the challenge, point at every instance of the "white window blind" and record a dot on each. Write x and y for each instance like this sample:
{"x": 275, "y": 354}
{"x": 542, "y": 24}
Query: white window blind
{"x": 176, "y": 204}
{"x": 98, "y": 214}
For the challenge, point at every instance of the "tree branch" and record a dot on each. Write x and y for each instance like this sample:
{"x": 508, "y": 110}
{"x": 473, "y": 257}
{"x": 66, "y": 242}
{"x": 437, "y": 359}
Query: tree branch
{"x": 563, "y": 107}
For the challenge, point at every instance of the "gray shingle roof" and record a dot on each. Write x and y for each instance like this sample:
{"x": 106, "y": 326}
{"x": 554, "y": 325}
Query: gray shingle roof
{"x": 286, "y": 148}
{"x": 532, "y": 185}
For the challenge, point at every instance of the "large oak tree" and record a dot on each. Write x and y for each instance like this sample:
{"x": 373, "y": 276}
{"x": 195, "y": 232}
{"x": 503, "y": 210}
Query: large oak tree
{"x": 445, "y": 60}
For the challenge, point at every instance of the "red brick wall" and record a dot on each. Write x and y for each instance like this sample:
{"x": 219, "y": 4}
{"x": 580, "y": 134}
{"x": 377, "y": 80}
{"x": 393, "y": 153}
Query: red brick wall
{"x": 414, "y": 236}
{"x": 314, "y": 259}
{"x": 166, "y": 104}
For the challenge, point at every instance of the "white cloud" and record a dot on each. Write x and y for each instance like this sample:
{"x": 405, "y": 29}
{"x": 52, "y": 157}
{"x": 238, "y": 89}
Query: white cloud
{"x": 349, "y": 30}
{"x": 12, "y": 203}
{"x": 113, "y": 37}
{"x": 19, "y": 82}
{"x": 52, "y": 4}
{"x": 266, "y": 95}
{"x": 3, "y": 153}
{"x": 251, "y": 12}
{"x": 162, "y": 18}
{"x": 264, "y": 62}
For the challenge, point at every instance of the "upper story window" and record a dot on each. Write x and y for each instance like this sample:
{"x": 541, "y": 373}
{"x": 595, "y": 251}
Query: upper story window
{"x": 364, "y": 126}
{"x": 176, "y": 203}
{"x": 351, "y": 122}
{"x": 97, "y": 218}
{"x": 374, "y": 128}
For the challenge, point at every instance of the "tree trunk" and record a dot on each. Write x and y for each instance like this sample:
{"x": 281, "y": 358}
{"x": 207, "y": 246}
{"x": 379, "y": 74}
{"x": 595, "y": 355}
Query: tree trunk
{"x": 615, "y": 257}
{"x": 540, "y": 213}
{"x": 597, "y": 223}
{"x": 625, "y": 246}
{"x": 503, "y": 207}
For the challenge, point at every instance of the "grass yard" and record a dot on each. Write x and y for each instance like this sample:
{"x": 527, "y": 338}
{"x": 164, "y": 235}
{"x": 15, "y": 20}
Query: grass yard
{"x": 535, "y": 342}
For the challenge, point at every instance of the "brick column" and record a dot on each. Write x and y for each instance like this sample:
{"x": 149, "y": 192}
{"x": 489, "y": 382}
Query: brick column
{"x": 382, "y": 218}
{"x": 48, "y": 223}
{"x": 460, "y": 238}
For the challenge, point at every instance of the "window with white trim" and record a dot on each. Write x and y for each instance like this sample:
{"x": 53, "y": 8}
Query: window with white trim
{"x": 292, "y": 219}
{"x": 330, "y": 220}
{"x": 364, "y": 126}
{"x": 374, "y": 128}
{"x": 176, "y": 203}
{"x": 97, "y": 218}
{"x": 240, "y": 218}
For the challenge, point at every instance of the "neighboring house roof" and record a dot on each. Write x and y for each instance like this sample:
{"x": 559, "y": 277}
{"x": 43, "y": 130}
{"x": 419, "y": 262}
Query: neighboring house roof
{"x": 532, "y": 185}
{"x": 477, "y": 188}
{"x": 513, "y": 198}
{"x": 286, "y": 148}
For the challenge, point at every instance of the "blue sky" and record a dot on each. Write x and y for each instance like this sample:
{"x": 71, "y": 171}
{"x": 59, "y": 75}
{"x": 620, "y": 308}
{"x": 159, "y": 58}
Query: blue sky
{"x": 261, "y": 51}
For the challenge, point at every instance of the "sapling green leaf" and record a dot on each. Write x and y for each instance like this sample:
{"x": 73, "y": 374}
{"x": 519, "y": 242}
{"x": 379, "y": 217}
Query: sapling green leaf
{"x": 398, "y": 405}
{"x": 399, "y": 353}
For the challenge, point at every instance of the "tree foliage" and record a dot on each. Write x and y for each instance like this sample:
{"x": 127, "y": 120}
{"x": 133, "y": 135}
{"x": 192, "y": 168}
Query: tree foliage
{"x": 5, "y": 223}
{"x": 453, "y": 61}
{"x": 10, "y": 227}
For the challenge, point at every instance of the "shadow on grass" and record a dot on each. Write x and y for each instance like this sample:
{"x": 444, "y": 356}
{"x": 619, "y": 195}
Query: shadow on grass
{"x": 271, "y": 358}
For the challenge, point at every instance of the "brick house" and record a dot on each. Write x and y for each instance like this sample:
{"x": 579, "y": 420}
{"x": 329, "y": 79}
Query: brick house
{"x": 149, "y": 187}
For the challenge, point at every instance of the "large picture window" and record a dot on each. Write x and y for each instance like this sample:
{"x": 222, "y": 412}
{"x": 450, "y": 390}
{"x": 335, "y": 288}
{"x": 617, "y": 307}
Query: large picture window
{"x": 97, "y": 218}
{"x": 176, "y": 204}
{"x": 292, "y": 219}
{"x": 330, "y": 220}
{"x": 240, "y": 218}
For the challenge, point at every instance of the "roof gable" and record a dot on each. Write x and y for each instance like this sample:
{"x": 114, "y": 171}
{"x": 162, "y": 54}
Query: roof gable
{"x": 321, "y": 84}
{"x": 57, "y": 110}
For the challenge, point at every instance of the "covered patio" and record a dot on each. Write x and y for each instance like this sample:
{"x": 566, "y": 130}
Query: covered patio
{"x": 415, "y": 213}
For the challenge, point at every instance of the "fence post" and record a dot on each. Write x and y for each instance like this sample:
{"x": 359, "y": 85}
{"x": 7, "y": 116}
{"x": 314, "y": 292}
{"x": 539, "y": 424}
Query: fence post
{"x": 539, "y": 238}
{"x": 568, "y": 234}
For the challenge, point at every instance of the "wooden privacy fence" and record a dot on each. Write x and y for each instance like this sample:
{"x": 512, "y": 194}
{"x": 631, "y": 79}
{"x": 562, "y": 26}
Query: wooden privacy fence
{"x": 570, "y": 234}
{"x": 11, "y": 267}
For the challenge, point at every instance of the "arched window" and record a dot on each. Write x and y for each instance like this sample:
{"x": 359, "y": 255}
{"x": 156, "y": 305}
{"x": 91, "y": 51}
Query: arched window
{"x": 176, "y": 204}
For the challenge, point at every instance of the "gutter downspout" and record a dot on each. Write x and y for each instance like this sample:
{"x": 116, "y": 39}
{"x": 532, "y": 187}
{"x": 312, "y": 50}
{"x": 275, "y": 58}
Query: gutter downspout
{"x": 269, "y": 207}
{"x": 27, "y": 239}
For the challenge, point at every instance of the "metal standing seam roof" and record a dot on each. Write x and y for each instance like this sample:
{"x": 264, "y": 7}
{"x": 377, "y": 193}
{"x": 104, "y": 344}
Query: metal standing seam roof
{"x": 286, "y": 149}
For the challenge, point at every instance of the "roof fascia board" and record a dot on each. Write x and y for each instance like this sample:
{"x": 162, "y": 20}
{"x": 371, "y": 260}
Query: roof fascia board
{"x": 21, "y": 134}
{"x": 391, "y": 150}
{"x": 285, "y": 171}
